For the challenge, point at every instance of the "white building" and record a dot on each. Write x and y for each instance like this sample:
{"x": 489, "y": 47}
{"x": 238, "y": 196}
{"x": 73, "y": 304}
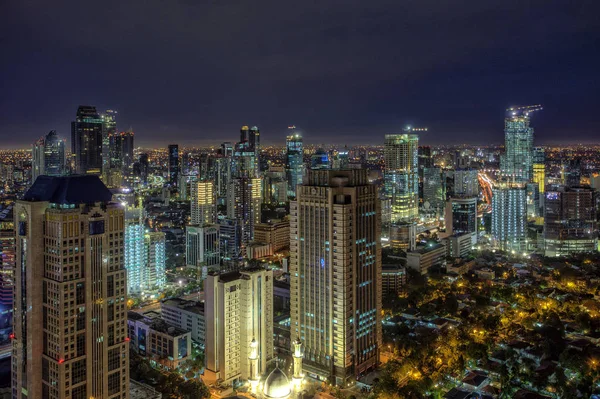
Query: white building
{"x": 187, "y": 315}
{"x": 239, "y": 317}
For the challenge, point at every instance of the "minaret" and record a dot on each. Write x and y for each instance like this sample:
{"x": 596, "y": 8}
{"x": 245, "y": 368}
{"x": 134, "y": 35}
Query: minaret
{"x": 253, "y": 358}
{"x": 298, "y": 355}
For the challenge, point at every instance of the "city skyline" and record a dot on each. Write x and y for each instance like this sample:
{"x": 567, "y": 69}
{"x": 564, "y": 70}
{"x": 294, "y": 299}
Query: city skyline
{"x": 183, "y": 73}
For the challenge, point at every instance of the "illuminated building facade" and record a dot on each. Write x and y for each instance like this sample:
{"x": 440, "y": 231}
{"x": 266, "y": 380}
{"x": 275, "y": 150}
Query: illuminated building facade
{"x": 48, "y": 156}
{"x": 109, "y": 128}
{"x": 294, "y": 160}
{"x": 244, "y": 205}
{"x": 86, "y": 140}
{"x": 335, "y": 272}
{"x": 461, "y": 215}
{"x": 134, "y": 252}
{"x": 401, "y": 178}
{"x": 70, "y": 330}
{"x": 509, "y": 216}
{"x": 155, "y": 261}
{"x": 202, "y": 245}
{"x": 203, "y": 202}
{"x": 434, "y": 191}
{"x": 516, "y": 164}
{"x": 239, "y": 319}
{"x": 539, "y": 169}
{"x": 570, "y": 221}
{"x": 7, "y": 267}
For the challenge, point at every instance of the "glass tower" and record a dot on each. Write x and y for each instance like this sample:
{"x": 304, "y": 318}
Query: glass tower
{"x": 517, "y": 162}
{"x": 87, "y": 140}
{"x": 173, "y": 164}
{"x": 49, "y": 156}
{"x": 401, "y": 176}
{"x": 294, "y": 161}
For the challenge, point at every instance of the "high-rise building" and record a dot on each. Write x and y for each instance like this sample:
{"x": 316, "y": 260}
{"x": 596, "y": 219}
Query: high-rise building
{"x": 155, "y": 261}
{"x": 509, "y": 216}
{"x": 539, "y": 168}
{"x": 87, "y": 140}
{"x": 70, "y": 330}
{"x": 239, "y": 319}
{"x": 244, "y": 205}
{"x": 335, "y": 271}
{"x": 230, "y": 241}
{"x": 121, "y": 150}
{"x": 203, "y": 202}
{"x": 434, "y": 191}
{"x": 7, "y": 268}
{"x": 134, "y": 252}
{"x": 173, "y": 164}
{"x": 294, "y": 160}
{"x": 109, "y": 128}
{"x": 466, "y": 183}
{"x": 202, "y": 245}
{"x": 516, "y": 164}
{"x": 570, "y": 221}
{"x": 49, "y": 156}
{"x": 461, "y": 215}
{"x": 401, "y": 177}
{"x": 254, "y": 140}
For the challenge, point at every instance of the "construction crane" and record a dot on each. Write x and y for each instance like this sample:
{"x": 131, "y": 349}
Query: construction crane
{"x": 524, "y": 110}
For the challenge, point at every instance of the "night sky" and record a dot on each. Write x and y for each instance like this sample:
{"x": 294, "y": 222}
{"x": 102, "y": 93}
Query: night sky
{"x": 346, "y": 72}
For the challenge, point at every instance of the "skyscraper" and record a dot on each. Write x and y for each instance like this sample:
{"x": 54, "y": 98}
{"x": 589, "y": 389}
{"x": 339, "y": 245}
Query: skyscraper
{"x": 461, "y": 215}
{"x": 516, "y": 164}
{"x": 7, "y": 269}
{"x": 203, "y": 202}
{"x": 134, "y": 255}
{"x": 434, "y": 191}
{"x": 202, "y": 245}
{"x": 87, "y": 140}
{"x": 239, "y": 317}
{"x": 570, "y": 221}
{"x": 173, "y": 164}
{"x": 509, "y": 216}
{"x": 244, "y": 205}
{"x": 294, "y": 160}
{"x": 109, "y": 128}
{"x": 335, "y": 270}
{"x": 401, "y": 177}
{"x": 70, "y": 330}
{"x": 49, "y": 156}
{"x": 539, "y": 168}
{"x": 155, "y": 261}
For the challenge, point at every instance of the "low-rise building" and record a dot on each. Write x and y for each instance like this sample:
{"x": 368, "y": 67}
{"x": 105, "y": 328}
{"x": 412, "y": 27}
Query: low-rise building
{"x": 158, "y": 341}
{"x": 423, "y": 259}
{"x": 460, "y": 245}
{"x": 187, "y": 315}
{"x": 275, "y": 233}
{"x": 393, "y": 279}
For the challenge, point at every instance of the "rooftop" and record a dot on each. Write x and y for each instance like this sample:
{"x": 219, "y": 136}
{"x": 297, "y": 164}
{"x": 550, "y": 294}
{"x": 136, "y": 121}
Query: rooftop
{"x": 190, "y": 306}
{"x": 77, "y": 189}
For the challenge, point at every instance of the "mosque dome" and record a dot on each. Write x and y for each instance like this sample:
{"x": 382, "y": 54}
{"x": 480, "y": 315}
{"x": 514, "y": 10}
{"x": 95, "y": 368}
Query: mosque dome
{"x": 277, "y": 385}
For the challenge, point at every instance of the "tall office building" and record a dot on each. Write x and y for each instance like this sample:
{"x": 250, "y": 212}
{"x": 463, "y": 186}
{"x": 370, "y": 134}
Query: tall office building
{"x": 7, "y": 268}
{"x": 154, "y": 277}
{"x": 109, "y": 128}
{"x": 509, "y": 216}
{"x": 434, "y": 191}
{"x": 461, "y": 215}
{"x": 230, "y": 242}
{"x": 335, "y": 271}
{"x": 294, "y": 160}
{"x": 70, "y": 330}
{"x": 539, "y": 168}
{"x": 49, "y": 156}
{"x": 203, "y": 202}
{"x": 401, "y": 177}
{"x": 570, "y": 221}
{"x": 121, "y": 150}
{"x": 516, "y": 164}
{"x": 466, "y": 183}
{"x": 244, "y": 205}
{"x": 87, "y": 140}
{"x": 239, "y": 318}
{"x": 173, "y": 164}
{"x": 134, "y": 253}
{"x": 254, "y": 140}
{"x": 202, "y": 245}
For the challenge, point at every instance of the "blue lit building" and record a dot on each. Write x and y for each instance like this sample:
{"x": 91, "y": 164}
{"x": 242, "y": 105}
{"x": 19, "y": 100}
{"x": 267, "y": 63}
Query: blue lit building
{"x": 294, "y": 161}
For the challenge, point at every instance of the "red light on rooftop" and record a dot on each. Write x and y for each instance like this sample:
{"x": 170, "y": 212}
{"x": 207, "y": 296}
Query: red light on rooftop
{"x": 61, "y": 361}
{"x": 127, "y": 339}
{"x": 11, "y": 336}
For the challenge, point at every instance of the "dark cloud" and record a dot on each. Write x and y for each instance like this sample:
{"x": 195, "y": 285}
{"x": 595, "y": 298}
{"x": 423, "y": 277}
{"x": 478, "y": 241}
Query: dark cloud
{"x": 346, "y": 71}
